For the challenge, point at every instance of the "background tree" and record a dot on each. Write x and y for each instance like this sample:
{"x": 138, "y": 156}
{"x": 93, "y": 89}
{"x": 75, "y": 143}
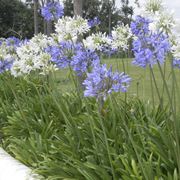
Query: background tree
{"x": 35, "y": 16}
{"x": 106, "y": 10}
{"x": 16, "y": 19}
{"x": 78, "y": 6}
{"x": 127, "y": 12}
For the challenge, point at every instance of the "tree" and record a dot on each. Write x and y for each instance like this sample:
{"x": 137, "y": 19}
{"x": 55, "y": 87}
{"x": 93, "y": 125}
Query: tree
{"x": 78, "y": 5}
{"x": 16, "y": 19}
{"x": 127, "y": 12}
{"x": 106, "y": 10}
{"x": 35, "y": 16}
{"x": 39, "y": 23}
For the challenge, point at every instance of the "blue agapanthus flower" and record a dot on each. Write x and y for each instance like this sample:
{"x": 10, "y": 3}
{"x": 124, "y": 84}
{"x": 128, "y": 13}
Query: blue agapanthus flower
{"x": 83, "y": 60}
{"x": 66, "y": 54}
{"x": 102, "y": 81}
{"x": 150, "y": 49}
{"x": 5, "y": 65}
{"x": 1, "y": 41}
{"x": 52, "y": 11}
{"x": 62, "y": 54}
{"x": 13, "y": 41}
{"x": 140, "y": 26}
{"x": 176, "y": 63}
{"x": 94, "y": 22}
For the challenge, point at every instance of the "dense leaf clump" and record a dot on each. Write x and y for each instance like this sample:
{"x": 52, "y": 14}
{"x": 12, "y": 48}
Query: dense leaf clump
{"x": 65, "y": 136}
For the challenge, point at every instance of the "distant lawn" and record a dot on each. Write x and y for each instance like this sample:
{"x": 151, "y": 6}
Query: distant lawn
{"x": 141, "y": 79}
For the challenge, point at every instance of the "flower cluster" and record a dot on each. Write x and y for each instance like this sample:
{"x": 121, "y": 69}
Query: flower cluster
{"x": 8, "y": 52}
{"x": 149, "y": 47}
{"x": 67, "y": 48}
{"x": 162, "y": 18}
{"x": 102, "y": 81}
{"x": 94, "y": 22}
{"x": 68, "y": 28}
{"x": 61, "y": 53}
{"x": 13, "y": 42}
{"x": 176, "y": 63}
{"x": 99, "y": 42}
{"x": 84, "y": 60}
{"x": 175, "y": 50}
{"x": 52, "y": 11}
{"x": 67, "y": 54}
{"x": 140, "y": 26}
{"x": 31, "y": 56}
{"x": 120, "y": 37}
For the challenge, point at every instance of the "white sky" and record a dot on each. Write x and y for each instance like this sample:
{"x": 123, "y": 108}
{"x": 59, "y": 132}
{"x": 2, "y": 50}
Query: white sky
{"x": 173, "y": 5}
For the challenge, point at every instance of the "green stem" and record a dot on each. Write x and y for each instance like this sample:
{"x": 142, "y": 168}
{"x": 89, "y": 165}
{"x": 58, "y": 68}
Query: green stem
{"x": 174, "y": 118}
{"x": 107, "y": 147}
{"x": 152, "y": 91}
{"x": 155, "y": 83}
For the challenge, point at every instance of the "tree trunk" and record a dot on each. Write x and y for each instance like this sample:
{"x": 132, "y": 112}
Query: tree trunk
{"x": 78, "y": 7}
{"x": 109, "y": 28}
{"x": 35, "y": 16}
{"x": 49, "y": 24}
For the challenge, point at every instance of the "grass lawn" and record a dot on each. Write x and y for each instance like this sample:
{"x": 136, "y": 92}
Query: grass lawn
{"x": 141, "y": 79}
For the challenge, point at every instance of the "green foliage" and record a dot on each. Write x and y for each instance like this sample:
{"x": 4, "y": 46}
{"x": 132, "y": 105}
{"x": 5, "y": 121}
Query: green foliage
{"x": 64, "y": 136}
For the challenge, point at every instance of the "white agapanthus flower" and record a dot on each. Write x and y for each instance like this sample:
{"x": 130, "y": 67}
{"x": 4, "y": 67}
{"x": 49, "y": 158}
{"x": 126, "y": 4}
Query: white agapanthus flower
{"x": 31, "y": 56}
{"x": 97, "y": 41}
{"x": 68, "y": 28}
{"x": 120, "y": 37}
{"x": 164, "y": 21}
{"x": 153, "y": 6}
{"x": 175, "y": 46}
{"x": 162, "y": 18}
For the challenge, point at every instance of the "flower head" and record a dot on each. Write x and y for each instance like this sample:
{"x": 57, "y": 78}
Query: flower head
{"x": 5, "y": 65}
{"x": 62, "y": 53}
{"x": 84, "y": 60}
{"x": 140, "y": 26}
{"x": 8, "y": 52}
{"x": 100, "y": 42}
{"x": 69, "y": 28}
{"x": 66, "y": 54}
{"x": 120, "y": 37}
{"x": 102, "y": 81}
{"x": 31, "y": 56}
{"x": 150, "y": 49}
{"x": 52, "y": 11}
{"x": 176, "y": 63}
{"x": 13, "y": 41}
{"x": 94, "y": 22}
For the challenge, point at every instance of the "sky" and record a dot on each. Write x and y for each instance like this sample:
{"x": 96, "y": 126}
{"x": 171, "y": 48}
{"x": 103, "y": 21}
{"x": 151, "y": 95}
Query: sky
{"x": 170, "y": 4}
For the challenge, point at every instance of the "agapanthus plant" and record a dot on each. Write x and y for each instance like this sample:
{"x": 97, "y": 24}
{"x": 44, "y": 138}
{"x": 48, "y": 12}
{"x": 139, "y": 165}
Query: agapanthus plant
{"x": 84, "y": 60}
{"x": 68, "y": 28}
{"x": 8, "y": 53}
{"x": 102, "y": 81}
{"x": 176, "y": 63}
{"x": 74, "y": 55}
{"x": 99, "y": 42}
{"x": 148, "y": 47}
{"x": 31, "y": 56}
{"x": 94, "y": 22}
{"x": 52, "y": 11}
{"x": 120, "y": 37}
{"x": 140, "y": 26}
